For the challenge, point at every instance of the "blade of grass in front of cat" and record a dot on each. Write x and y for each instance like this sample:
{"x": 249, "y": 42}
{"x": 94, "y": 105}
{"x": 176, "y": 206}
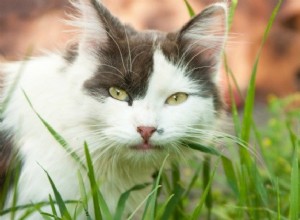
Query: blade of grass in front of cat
{"x": 16, "y": 176}
{"x": 206, "y": 178}
{"x": 26, "y": 207}
{"x": 56, "y": 135}
{"x": 93, "y": 184}
{"x": 197, "y": 211}
{"x": 230, "y": 175}
{"x": 15, "y": 83}
{"x": 149, "y": 212}
{"x": 83, "y": 195}
{"x": 60, "y": 202}
{"x": 202, "y": 148}
{"x": 54, "y": 212}
{"x": 123, "y": 199}
{"x": 193, "y": 181}
{"x": 162, "y": 208}
{"x": 28, "y": 212}
{"x": 44, "y": 215}
{"x": 172, "y": 204}
{"x": 176, "y": 180}
{"x": 143, "y": 202}
{"x": 100, "y": 207}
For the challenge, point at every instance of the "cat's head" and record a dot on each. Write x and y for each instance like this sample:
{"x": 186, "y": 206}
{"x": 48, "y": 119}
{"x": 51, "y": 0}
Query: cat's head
{"x": 152, "y": 91}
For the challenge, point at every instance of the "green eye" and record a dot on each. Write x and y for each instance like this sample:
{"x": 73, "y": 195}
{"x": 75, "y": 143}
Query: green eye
{"x": 177, "y": 98}
{"x": 118, "y": 94}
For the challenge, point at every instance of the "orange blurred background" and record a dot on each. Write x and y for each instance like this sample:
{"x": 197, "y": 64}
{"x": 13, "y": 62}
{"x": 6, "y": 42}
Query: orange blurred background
{"x": 38, "y": 24}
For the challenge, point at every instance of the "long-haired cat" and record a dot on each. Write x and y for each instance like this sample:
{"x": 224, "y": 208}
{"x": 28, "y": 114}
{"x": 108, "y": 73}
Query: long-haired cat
{"x": 132, "y": 97}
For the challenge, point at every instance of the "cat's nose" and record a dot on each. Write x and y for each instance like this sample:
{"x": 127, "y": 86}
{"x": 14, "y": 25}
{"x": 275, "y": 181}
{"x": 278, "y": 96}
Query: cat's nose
{"x": 146, "y": 132}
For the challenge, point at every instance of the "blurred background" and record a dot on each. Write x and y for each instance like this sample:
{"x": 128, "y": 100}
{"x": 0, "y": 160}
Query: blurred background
{"x": 38, "y": 24}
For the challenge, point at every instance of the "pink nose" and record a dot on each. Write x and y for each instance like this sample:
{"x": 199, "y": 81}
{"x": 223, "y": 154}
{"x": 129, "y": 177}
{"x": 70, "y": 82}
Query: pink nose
{"x": 146, "y": 132}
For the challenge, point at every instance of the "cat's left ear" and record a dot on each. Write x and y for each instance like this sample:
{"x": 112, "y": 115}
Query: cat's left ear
{"x": 204, "y": 36}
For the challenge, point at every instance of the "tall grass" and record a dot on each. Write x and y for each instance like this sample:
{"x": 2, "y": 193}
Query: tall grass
{"x": 246, "y": 188}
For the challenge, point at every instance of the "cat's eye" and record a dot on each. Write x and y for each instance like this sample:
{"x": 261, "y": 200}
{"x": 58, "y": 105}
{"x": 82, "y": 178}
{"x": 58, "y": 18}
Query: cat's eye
{"x": 119, "y": 94}
{"x": 177, "y": 98}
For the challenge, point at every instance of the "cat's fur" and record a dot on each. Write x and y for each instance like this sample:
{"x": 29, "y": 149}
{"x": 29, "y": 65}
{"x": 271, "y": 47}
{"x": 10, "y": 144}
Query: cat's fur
{"x": 71, "y": 92}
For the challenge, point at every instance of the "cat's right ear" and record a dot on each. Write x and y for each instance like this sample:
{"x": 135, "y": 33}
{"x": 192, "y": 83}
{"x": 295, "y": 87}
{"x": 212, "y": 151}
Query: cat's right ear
{"x": 96, "y": 24}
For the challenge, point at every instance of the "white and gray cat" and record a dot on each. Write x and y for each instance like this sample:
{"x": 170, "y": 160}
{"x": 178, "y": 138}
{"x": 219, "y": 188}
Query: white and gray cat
{"x": 133, "y": 97}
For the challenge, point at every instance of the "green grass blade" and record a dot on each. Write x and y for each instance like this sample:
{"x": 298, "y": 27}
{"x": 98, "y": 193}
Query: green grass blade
{"x": 15, "y": 190}
{"x": 206, "y": 179}
{"x": 193, "y": 181}
{"x": 124, "y": 197}
{"x": 173, "y": 202}
{"x": 27, "y": 213}
{"x": 93, "y": 184}
{"x": 230, "y": 175}
{"x": 100, "y": 206}
{"x": 15, "y": 83}
{"x": 56, "y": 135}
{"x": 259, "y": 185}
{"x": 48, "y": 216}
{"x": 54, "y": 212}
{"x": 198, "y": 209}
{"x": 83, "y": 196}
{"x": 249, "y": 104}
{"x": 234, "y": 110}
{"x": 44, "y": 215}
{"x": 162, "y": 209}
{"x": 202, "y": 148}
{"x": 142, "y": 203}
{"x": 60, "y": 202}
{"x": 189, "y": 8}
{"x": 30, "y": 206}
{"x": 150, "y": 209}
{"x": 231, "y": 13}
{"x": 294, "y": 193}
{"x": 278, "y": 200}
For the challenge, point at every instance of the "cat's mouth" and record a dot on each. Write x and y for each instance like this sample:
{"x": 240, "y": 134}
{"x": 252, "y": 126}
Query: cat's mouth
{"x": 145, "y": 146}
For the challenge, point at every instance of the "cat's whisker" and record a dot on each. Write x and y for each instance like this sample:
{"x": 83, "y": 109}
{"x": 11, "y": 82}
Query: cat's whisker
{"x": 119, "y": 49}
{"x": 119, "y": 71}
{"x": 102, "y": 153}
{"x": 197, "y": 68}
{"x": 197, "y": 54}
{"x": 217, "y": 137}
{"x": 137, "y": 55}
{"x": 128, "y": 47}
{"x": 114, "y": 74}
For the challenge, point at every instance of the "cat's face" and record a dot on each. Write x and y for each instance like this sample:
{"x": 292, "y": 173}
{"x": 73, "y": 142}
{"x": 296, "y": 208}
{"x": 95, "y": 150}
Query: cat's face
{"x": 153, "y": 91}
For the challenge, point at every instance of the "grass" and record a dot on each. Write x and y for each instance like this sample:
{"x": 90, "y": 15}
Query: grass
{"x": 242, "y": 186}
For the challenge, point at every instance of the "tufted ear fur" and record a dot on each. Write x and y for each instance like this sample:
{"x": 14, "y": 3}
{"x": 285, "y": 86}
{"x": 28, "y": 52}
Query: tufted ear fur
{"x": 97, "y": 24}
{"x": 204, "y": 36}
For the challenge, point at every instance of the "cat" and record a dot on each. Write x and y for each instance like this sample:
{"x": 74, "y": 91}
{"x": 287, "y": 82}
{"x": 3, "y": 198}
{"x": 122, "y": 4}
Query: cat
{"x": 132, "y": 97}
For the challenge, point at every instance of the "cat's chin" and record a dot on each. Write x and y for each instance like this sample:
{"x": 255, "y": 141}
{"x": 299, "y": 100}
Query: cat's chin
{"x": 145, "y": 146}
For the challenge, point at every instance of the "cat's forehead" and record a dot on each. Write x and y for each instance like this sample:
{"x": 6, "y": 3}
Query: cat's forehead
{"x": 131, "y": 62}
{"x": 128, "y": 62}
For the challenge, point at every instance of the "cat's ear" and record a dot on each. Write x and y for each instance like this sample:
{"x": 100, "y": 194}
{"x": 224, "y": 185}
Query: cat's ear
{"x": 204, "y": 35}
{"x": 97, "y": 25}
